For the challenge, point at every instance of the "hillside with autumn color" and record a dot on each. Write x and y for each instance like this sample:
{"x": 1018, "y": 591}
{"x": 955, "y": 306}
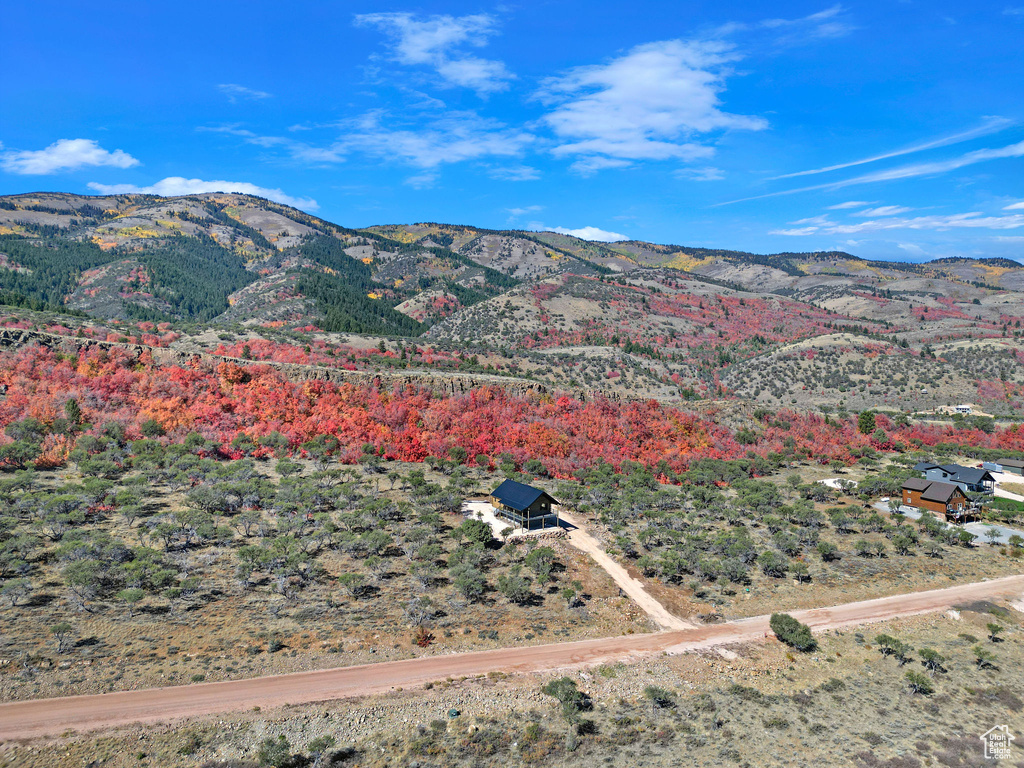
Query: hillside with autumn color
{"x": 237, "y": 440}
{"x": 448, "y": 308}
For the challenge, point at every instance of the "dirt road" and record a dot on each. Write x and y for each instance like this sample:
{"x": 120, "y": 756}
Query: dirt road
{"x": 27, "y": 719}
{"x": 584, "y": 542}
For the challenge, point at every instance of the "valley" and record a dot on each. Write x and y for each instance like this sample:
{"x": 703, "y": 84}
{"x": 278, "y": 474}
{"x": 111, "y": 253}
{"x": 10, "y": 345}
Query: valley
{"x": 237, "y": 440}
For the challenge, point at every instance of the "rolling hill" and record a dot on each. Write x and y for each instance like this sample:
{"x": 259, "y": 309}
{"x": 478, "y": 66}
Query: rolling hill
{"x": 631, "y": 319}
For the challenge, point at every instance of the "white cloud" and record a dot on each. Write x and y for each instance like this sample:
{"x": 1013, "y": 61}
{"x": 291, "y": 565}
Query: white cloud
{"x": 514, "y": 173}
{"x": 480, "y": 75}
{"x": 1014, "y": 206}
{"x": 903, "y": 172}
{"x": 707, "y": 173}
{"x": 234, "y": 92}
{"x": 972, "y": 220}
{"x": 822, "y": 25}
{"x": 990, "y": 126}
{"x": 64, "y": 155}
{"x": 435, "y": 42}
{"x": 849, "y": 204}
{"x": 818, "y": 221}
{"x": 588, "y": 166}
{"x": 1009, "y": 238}
{"x": 913, "y": 248}
{"x": 939, "y": 166}
{"x": 517, "y": 212}
{"x": 423, "y": 180}
{"x": 591, "y": 233}
{"x": 645, "y": 105}
{"x": 795, "y": 232}
{"x": 296, "y": 149}
{"x": 882, "y": 210}
{"x": 452, "y": 138}
{"x": 174, "y": 186}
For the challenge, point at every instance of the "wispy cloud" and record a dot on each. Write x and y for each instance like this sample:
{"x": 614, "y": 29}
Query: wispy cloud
{"x": 514, "y": 173}
{"x": 883, "y": 210}
{"x": 234, "y": 92}
{"x": 827, "y": 24}
{"x": 424, "y": 180}
{"x": 1014, "y": 206}
{"x": 451, "y": 138}
{"x": 972, "y": 220}
{"x": 591, "y": 233}
{"x": 797, "y": 232}
{"x": 849, "y": 204}
{"x": 818, "y": 221}
{"x": 515, "y": 213}
{"x": 436, "y": 42}
{"x": 990, "y": 126}
{"x": 648, "y": 104}
{"x": 1012, "y": 11}
{"x": 903, "y": 172}
{"x": 174, "y": 186}
{"x": 64, "y": 155}
{"x": 297, "y": 150}
{"x": 707, "y": 173}
{"x": 823, "y": 25}
{"x": 912, "y": 248}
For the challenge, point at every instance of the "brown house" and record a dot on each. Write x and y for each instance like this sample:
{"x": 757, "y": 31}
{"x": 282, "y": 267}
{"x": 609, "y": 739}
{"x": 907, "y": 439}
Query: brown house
{"x": 945, "y": 499}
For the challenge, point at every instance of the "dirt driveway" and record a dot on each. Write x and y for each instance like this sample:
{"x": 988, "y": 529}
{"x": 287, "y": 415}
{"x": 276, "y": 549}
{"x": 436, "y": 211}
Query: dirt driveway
{"x": 584, "y": 542}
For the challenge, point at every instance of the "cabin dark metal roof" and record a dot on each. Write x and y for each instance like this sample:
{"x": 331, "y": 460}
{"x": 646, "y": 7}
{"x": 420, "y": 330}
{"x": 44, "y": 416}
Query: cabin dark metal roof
{"x": 924, "y": 466}
{"x": 518, "y": 496}
{"x": 940, "y": 492}
{"x": 1010, "y": 463}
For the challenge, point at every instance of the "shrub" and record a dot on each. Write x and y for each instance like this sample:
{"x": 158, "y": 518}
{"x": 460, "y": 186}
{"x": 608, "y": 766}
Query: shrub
{"x": 572, "y": 699}
{"x": 274, "y": 752}
{"x": 792, "y": 632}
{"x": 919, "y": 683}
{"x": 476, "y": 531}
{"x": 772, "y": 563}
{"x": 832, "y": 685}
{"x": 659, "y": 697}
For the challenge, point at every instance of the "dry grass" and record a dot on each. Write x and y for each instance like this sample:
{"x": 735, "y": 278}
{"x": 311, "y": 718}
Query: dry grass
{"x": 845, "y": 704}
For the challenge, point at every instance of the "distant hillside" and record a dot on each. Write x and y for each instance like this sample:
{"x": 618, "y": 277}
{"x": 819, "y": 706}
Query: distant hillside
{"x": 229, "y": 259}
{"x": 246, "y": 277}
{"x": 224, "y": 258}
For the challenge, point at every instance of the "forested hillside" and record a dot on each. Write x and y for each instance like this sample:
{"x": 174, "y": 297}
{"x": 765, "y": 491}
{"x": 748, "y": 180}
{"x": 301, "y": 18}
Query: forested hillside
{"x": 145, "y": 258}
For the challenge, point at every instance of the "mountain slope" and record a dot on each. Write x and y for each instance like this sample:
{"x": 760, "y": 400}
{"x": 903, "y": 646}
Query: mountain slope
{"x": 224, "y": 257}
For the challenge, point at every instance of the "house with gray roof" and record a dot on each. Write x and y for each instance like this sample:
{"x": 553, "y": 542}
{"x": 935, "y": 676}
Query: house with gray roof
{"x": 970, "y": 479}
{"x": 524, "y": 505}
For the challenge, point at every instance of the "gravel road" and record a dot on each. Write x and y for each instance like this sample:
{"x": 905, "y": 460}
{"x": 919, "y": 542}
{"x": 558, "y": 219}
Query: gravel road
{"x": 46, "y": 717}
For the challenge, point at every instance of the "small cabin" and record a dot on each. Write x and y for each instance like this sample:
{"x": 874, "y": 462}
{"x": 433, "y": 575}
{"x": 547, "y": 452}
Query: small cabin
{"x": 524, "y": 505}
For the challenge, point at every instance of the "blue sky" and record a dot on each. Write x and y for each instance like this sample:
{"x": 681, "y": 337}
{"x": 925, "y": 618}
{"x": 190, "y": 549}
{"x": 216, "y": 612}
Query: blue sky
{"x": 887, "y": 129}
